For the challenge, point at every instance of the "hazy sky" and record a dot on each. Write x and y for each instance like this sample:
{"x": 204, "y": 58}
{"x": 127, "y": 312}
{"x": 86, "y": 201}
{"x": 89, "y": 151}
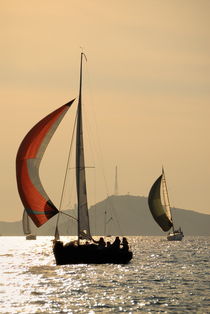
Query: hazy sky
{"x": 147, "y": 83}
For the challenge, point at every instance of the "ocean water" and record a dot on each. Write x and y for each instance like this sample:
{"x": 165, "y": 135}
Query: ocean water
{"x": 163, "y": 277}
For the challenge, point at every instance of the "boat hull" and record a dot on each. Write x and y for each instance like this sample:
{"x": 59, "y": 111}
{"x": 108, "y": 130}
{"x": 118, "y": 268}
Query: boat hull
{"x": 89, "y": 254}
{"x": 175, "y": 236}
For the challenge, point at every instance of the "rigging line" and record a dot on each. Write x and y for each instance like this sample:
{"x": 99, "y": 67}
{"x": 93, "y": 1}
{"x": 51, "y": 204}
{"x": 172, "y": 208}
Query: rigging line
{"x": 115, "y": 214}
{"x": 106, "y": 186}
{"x": 109, "y": 220}
{"x": 100, "y": 155}
{"x": 65, "y": 176}
{"x": 92, "y": 155}
{"x": 88, "y": 133}
{"x": 98, "y": 149}
{"x": 68, "y": 215}
{"x": 92, "y": 147}
{"x": 68, "y": 161}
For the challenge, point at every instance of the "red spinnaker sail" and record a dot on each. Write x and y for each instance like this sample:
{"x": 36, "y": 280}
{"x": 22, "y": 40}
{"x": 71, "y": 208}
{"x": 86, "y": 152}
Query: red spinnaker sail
{"x": 33, "y": 196}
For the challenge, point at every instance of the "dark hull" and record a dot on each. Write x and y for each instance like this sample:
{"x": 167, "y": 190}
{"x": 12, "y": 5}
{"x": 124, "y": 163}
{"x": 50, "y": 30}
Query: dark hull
{"x": 176, "y": 236}
{"x": 89, "y": 254}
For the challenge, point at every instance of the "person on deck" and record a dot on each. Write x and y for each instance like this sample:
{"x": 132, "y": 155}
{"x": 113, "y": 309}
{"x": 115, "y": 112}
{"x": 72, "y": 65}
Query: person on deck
{"x": 116, "y": 243}
{"x": 108, "y": 244}
{"x": 101, "y": 243}
{"x": 125, "y": 244}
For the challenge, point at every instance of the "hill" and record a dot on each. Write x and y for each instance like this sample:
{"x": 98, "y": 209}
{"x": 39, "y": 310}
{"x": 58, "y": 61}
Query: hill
{"x": 124, "y": 215}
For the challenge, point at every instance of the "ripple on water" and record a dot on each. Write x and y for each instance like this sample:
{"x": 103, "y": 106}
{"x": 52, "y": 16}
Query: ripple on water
{"x": 162, "y": 277}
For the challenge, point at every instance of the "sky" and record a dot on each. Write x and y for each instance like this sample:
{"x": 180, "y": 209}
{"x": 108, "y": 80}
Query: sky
{"x": 146, "y": 88}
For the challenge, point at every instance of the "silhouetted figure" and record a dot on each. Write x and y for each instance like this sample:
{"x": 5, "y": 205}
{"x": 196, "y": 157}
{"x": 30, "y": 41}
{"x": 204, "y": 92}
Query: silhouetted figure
{"x": 108, "y": 244}
{"x": 116, "y": 243}
{"x": 125, "y": 244}
{"x": 101, "y": 243}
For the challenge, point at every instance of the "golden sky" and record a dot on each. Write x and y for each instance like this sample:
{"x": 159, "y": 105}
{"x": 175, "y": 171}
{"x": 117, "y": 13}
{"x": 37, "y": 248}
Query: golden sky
{"x": 147, "y": 82}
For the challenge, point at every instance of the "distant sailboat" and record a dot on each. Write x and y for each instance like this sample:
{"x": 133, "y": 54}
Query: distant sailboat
{"x": 159, "y": 205}
{"x": 38, "y": 204}
{"x": 26, "y": 227}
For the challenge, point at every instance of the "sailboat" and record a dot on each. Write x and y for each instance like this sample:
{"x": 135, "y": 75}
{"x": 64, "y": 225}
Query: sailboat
{"x": 40, "y": 207}
{"x": 26, "y": 227}
{"x": 159, "y": 205}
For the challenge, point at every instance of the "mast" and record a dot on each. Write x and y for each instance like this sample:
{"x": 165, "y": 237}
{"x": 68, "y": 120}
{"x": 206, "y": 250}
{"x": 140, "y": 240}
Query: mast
{"x": 78, "y": 144}
{"x": 166, "y": 197}
{"x": 83, "y": 218}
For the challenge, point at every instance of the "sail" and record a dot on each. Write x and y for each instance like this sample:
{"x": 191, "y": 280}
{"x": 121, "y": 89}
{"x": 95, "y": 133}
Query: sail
{"x": 83, "y": 218}
{"x": 165, "y": 197}
{"x": 25, "y": 222}
{"x": 33, "y": 196}
{"x": 156, "y": 207}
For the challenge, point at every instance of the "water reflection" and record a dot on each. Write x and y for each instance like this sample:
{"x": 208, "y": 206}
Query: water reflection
{"x": 162, "y": 277}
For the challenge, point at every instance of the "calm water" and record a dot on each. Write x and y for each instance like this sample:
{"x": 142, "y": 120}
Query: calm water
{"x": 163, "y": 277}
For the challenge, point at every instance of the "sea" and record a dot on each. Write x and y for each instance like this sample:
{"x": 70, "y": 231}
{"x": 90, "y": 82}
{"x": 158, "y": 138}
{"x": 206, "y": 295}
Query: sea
{"x": 163, "y": 277}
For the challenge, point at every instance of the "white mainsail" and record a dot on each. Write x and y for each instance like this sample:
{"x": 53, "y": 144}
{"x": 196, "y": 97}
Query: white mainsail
{"x": 83, "y": 218}
{"x": 165, "y": 197}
